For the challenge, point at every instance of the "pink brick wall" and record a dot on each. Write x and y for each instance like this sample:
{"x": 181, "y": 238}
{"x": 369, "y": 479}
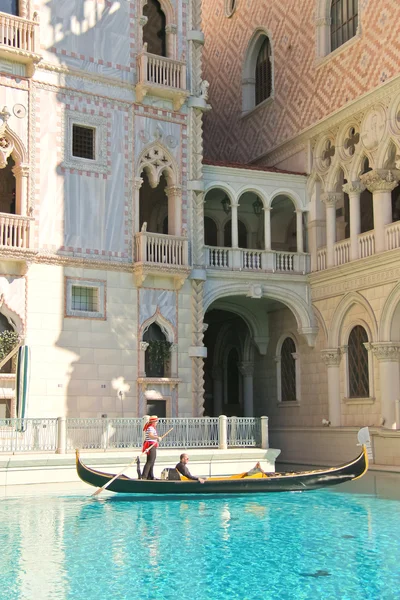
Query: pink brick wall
{"x": 304, "y": 93}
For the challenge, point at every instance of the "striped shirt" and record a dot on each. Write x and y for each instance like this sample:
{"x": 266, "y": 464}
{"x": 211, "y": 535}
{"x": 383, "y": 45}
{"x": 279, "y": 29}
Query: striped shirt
{"x": 148, "y": 441}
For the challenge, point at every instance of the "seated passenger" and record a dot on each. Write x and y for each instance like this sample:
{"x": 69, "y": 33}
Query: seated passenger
{"x": 183, "y": 470}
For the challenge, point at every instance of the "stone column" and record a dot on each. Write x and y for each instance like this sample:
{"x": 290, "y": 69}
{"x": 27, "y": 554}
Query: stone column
{"x": 331, "y": 357}
{"x": 21, "y": 174}
{"x": 217, "y": 390}
{"x": 330, "y": 199}
{"x": 267, "y": 228}
{"x": 247, "y": 370}
{"x": 388, "y": 355}
{"x": 174, "y": 194}
{"x": 381, "y": 182}
{"x": 142, "y": 353}
{"x": 299, "y": 231}
{"x": 354, "y": 189}
{"x": 137, "y": 184}
{"x": 171, "y": 31}
{"x": 234, "y": 223}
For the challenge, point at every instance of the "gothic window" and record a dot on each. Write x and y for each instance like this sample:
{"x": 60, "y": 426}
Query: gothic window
{"x": 154, "y": 34}
{"x": 288, "y": 371}
{"x": 157, "y": 360}
{"x": 344, "y": 21}
{"x": 7, "y": 188}
{"x": 358, "y": 363}
{"x": 263, "y": 73}
{"x": 9, "y": 6}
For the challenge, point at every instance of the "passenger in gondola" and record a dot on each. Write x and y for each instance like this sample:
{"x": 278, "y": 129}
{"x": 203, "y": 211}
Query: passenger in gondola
{"x": 182, "y": 468}
{"x": 150, "y": 446}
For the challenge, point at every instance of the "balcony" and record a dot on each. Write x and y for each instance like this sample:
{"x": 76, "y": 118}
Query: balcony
{"x": 19, "y": 40}
{"x": 158, "y": 254}
{"x": 162, "y": 77}
{"x": 263, "y": 261}
{"x": 15, "y": 233}
{"x": 366, "y": 247}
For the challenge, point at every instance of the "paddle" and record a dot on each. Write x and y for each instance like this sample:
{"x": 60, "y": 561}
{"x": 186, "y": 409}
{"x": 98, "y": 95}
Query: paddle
{"x": 99, "y": 490}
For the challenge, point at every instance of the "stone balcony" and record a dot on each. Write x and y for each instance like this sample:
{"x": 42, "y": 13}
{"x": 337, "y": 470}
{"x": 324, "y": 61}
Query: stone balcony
{"x": 365, "y": 247}
{"x": 19, "y": 40}
{"x": 262, "y": 261}
{"x": 15, "y": 234}
{"x": 158, "y": 254}
{"x": 162, "y": 77}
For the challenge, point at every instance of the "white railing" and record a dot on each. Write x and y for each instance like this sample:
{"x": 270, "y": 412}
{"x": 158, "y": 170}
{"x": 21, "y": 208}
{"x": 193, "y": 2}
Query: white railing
{"x": 342, "y": 252}
{"x": 28, "y": 435}
{"x": 284, "y": 261}
{"x": 321, "y": 259}
{"x": 393, "y": 236}
{"x": 159, "y": 70}
{"x": 18, "y": 33}
{"x": 244, "y": 431}
{"x": 251, "y": 259}
{"x": 67, "y": 434}
{"x": 366, "y": 243}
{"x": 14, "y": 231}
{"x": 217, "y": 257}
{"x": 161, "y": 249}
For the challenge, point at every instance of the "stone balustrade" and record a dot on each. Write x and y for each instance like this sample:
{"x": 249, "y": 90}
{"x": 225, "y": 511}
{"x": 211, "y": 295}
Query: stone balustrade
{"x": 15, "y": 231}
{"x": 161, "y": 76}
{"x": 159, "y": 249}
{"x": 240, "y": 259}
{"x": 20, "y": 37}
{"x": 342, "y": 252}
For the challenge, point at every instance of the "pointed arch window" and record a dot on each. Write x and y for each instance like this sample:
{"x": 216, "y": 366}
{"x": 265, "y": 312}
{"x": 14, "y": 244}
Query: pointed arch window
{"x": 263, "y": 86}
{"x": 358, "y": 363}
{"x": 344, "y": 21}
{"x": 288, "y": 370}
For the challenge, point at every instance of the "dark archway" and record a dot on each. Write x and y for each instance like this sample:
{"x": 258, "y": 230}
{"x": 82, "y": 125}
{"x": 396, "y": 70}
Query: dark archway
{"x": 154, "y": 34}
{"x": 242, "y": 234}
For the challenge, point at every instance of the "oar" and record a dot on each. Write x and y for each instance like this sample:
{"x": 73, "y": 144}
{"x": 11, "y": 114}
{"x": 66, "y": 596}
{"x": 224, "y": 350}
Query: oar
{"x": 98, "y": 491}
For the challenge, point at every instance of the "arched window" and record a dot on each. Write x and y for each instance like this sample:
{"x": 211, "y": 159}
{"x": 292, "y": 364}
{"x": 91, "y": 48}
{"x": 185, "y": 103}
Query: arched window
{"x": 263, "y": 77}
{"x": 358, "y": 363}
{"x": 230, "y": 7}
{"x": 157, "y": 357}
{"x": 7, "y": 188}
{"x": 288, "y": 371}
{"x": 154, "y": 34}
{"x": 344, "y": 21}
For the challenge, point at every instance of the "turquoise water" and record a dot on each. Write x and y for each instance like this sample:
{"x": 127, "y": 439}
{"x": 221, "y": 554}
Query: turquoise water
{"x": 314, "y": 545}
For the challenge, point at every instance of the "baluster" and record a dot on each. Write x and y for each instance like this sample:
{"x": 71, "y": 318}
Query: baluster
{"x": 2, "y": 232}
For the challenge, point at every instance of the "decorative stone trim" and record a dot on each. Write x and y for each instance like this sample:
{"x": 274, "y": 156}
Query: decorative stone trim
{"x": 386, "y": 351}
{"x": 331, "y": 356}
{"x": 99, "y": 285}
{"x": 331, "y": 198}
{"x": 353, "y": 187}
{"x": 381, "y": 180}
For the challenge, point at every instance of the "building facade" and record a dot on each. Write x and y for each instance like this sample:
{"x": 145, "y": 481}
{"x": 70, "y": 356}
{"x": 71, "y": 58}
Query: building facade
{"x": 257, "y": 276}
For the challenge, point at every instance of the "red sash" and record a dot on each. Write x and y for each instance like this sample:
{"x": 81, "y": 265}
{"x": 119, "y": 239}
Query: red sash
{"x": 148, "y": 444}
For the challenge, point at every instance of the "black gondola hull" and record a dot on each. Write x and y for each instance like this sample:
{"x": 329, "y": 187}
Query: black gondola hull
{"x": 276, "y": 482}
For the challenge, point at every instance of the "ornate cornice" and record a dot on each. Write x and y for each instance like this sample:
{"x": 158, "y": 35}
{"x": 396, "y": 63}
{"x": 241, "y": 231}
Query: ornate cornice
{"x": 33, "y": 256}
{"x": 386, "y": 351}
{"x": 381, "y": 180}
{"x": 331, "y": 356}
{"x": 83, "y": 75}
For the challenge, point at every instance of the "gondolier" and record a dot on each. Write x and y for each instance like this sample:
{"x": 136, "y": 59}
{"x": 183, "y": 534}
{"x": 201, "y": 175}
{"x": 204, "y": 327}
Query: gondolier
{"x": 150, "y": 446}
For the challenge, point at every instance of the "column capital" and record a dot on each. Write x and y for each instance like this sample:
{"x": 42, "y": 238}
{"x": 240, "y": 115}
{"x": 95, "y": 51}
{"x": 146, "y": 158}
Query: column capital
{"x": 353, "y": 187}
{"x": 331, "y": 356}
{"x": 173, "y": 191}
{"x": 331, "y": 198}
{"x": 381, "y": 180}
{"x": 22, "y": 170}
{"x": 143, "y": 346}
{"x": 137, "y": 183}
{"x": 246, "y": 368}
{"x": 386, "y": 351}
{"x": 171, "y": 28}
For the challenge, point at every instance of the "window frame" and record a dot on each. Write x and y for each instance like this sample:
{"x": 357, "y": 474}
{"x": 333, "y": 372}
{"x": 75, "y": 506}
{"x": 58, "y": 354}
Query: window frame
{"x": 99, "y": 125}
{"x": 351, "y": 399}
{"x": 99, "y": 285}
{"x": 324, "y": 50}
{"x": 249, "y": 105}
{"x": 278, "y": 361}
{"x": 89, "y": 128}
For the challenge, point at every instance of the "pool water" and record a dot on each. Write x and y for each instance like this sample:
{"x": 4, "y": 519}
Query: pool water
{"x": 314, "y": 545}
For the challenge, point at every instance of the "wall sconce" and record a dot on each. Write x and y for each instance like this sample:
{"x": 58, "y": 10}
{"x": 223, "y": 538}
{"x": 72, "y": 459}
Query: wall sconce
{"x": 226, "y": 205}
{"x": 257, "y": 207}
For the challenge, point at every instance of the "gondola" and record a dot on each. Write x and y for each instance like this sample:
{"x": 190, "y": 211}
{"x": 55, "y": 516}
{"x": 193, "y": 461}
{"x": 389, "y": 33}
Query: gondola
{"x": 253, "y": 482}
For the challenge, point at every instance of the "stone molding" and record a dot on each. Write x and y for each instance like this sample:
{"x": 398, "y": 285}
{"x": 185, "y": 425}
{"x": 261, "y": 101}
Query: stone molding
{"x": 381, "y": 180}
{"x": 386, "y": 351}
{"x": 331, "y": 356}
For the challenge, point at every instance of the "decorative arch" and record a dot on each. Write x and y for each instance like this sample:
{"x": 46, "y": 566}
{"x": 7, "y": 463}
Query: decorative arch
{"x": 156, "y": 161}
{"x": 12, "y": 145}
{"x": 302, "y": 311}
{"x": 249, "y": 67}
{"x": 334, "y": 176}
{"x": 321, "y": 323}
{"x": 295, "y": 198}
{"x": 253, "y": 190}
{"x": 166, "y": 327}
{"x": 386, "y": 157}
{"x": 225, "y": 187}
{"x": 388, "y": 312}
{"x": 170, "y": 26}
{"x": 342, "y": 309}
